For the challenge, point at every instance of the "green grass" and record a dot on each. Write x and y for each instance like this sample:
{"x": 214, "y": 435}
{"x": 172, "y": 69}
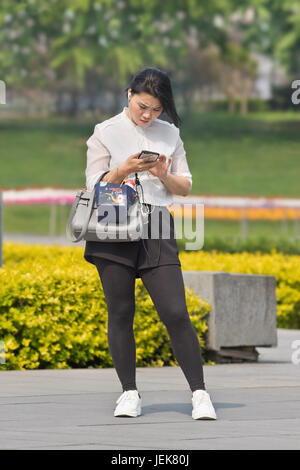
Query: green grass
{"x": 223, "y": 235}
{"x": 43, "y": 153}
{"x": 257, "y": 155}
{"x": 289, "y": 228}
{"x": 228, "y": 235}
{"x": 36, "y": 219}
{"x": 253, "y": 155}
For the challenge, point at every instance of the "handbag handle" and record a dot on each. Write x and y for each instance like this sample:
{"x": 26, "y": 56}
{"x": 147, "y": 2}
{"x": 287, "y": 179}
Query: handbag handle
{"x": 69, "y": 233}
{"x": 90, "y": 206}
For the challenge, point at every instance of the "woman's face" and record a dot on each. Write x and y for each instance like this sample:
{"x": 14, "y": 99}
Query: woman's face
{"x": 143, "y": 108}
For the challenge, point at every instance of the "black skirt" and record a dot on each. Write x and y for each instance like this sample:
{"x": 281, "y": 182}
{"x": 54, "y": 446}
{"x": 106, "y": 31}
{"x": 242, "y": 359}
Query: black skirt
{"x": 144, "y": 253}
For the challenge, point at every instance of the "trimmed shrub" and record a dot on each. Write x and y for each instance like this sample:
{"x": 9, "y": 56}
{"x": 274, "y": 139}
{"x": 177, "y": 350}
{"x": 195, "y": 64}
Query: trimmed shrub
{"x": 54, "y": 315}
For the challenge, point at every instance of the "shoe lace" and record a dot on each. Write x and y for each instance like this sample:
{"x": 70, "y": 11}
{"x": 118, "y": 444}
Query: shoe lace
{"x": 127, "y": 396}
{"x": 199, "y": 398}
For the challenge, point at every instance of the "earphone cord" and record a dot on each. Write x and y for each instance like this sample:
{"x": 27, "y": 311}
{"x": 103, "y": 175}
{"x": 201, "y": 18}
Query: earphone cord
{"x": 147, "y": 212}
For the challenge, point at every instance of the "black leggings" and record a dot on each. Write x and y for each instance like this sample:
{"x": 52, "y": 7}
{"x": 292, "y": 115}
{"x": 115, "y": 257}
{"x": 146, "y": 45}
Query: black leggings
{"x": 165, "y": 286}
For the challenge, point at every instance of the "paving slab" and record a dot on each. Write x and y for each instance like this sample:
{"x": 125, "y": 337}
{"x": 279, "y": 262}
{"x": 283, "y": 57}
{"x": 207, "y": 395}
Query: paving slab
{"x": 257, "y": 404}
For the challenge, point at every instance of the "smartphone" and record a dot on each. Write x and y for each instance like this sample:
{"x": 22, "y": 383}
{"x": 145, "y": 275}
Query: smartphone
{"x": 146, "y": 153}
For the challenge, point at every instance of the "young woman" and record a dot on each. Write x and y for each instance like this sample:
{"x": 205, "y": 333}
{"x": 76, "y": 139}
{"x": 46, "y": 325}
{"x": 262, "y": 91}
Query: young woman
{"x": 113, "y": 151}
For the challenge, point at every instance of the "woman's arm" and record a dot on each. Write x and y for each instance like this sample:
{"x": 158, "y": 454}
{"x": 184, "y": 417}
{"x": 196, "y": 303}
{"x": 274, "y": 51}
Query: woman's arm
{"x": 177, "y": 184}
{"x": 179, "y": 179}
{"x": 98, "y": 158}
{"x": 98, "y": 161}
{"x": 117, "y": 175}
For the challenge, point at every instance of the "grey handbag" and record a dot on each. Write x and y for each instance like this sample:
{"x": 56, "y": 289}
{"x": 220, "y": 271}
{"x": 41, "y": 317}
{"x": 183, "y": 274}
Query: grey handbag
{"x": 83, "y": 219}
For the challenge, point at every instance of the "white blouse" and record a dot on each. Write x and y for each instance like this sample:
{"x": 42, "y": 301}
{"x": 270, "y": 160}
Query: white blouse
{"x": 115, "y": 139}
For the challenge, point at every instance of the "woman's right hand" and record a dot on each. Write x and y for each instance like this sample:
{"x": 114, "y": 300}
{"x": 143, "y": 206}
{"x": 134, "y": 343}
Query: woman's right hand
{"x": 134, "y": 164}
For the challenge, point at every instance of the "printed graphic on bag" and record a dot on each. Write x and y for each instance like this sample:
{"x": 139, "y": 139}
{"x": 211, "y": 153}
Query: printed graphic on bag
{"x": 112, "y": 194}
{"x": 113, "y": 201}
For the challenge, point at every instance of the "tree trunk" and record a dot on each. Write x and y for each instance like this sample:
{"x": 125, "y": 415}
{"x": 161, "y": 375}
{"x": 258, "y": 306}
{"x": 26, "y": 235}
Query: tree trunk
{"x": 58, "y": 102}
{"x": 244, "y": 105}
{"x": 231, "y": 104}
{"x": 74, "y": 103}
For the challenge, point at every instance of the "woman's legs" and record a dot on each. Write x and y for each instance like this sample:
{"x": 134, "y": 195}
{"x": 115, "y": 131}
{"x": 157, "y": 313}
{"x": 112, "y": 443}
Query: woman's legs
{"x": 165, "y": 286}
{"x": 118, "y": 282}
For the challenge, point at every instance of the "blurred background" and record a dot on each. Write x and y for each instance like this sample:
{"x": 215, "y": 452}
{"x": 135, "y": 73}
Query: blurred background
{"x": 234, "y": 67}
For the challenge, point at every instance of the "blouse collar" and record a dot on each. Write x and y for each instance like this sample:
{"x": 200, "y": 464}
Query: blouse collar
{"x": 124, "y": 115}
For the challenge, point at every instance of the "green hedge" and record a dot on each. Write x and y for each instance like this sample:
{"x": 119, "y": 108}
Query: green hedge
{"x": 53, "y": 313}
{"x": 234, "y": 244}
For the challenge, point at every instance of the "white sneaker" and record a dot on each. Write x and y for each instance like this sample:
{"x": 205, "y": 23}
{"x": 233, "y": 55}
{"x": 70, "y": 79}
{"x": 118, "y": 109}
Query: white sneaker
{"x": 129, "y": 404}
{"x": 202, "y": 406}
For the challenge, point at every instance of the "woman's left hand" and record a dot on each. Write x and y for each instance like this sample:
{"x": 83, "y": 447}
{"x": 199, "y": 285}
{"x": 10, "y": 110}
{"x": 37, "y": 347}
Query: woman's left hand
{"x": 161, "y": 168}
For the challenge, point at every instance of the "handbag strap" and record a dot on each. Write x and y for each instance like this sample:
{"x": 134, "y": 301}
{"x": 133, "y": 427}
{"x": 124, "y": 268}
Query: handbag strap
{"x": 145, "y": 211}
{"x": 90, "y": 206}
{"x": 138, "y": 184}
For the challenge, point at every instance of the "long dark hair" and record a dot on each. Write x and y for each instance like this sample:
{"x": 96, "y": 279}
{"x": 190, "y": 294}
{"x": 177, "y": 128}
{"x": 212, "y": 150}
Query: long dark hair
{"x": 156, "y": 83}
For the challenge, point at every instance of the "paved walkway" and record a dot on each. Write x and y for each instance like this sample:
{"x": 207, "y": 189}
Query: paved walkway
{"x": 40, "y": 239}
{"x": 258, "y": 407}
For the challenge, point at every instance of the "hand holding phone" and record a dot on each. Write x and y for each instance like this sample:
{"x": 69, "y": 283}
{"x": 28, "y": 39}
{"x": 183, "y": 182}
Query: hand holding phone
{"x": 139, "y": 162}
{"x": 147, "y": 153}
